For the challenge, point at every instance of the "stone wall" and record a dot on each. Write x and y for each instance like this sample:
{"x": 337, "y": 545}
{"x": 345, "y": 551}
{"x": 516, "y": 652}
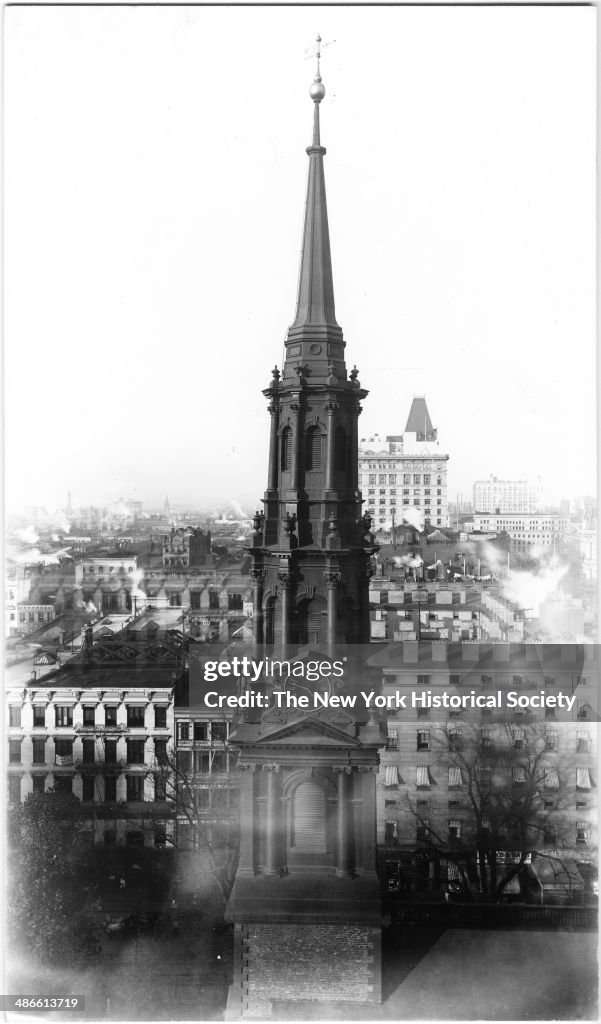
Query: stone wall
{"x": 323, "y": 963}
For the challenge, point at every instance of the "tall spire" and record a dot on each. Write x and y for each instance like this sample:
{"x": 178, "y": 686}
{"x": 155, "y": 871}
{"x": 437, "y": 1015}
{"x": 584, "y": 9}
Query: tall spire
{"x": 315, "y": 318}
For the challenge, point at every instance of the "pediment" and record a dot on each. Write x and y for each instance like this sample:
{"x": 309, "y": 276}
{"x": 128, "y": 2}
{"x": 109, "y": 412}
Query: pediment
{"x": 330, "y": 727}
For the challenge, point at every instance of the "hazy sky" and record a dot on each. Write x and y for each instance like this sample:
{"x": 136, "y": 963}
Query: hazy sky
{"x": 154, "y": 181}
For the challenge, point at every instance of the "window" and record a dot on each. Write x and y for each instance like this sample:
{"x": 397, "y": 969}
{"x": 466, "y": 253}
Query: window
{"x": 372, "y": 478}
{"x": 392, "y": 741}
{"x": 286, "y": 449}
{"x": 14, "y": 716}
{"x": 160, "y": 751}
{"x": 549, "y": 713}
{"x": 160, "y": 835}
{"x": 135, "y": 716}
{"x": 583, "y": 778}
{"x": 454, "y": 828}
{"x": 551, "y": 739}
{"x": 423, "y": 831}
{"x": 110, "y": 751}
{"x": 583, "y": 743}
{"x": 202, "y": 762}
{"x": 551, "y": 779}
{"x": 219, "y": 762}
{"x": 423, "y": 712}
{"x": 89, "y": 714}
{"x": 550, "y": 835}
{"x": 14, "y": 751}
{"x": 160, "y": 789}
{"x": 485, "y": 777}
{"x": 160, "y": 718}
{"x": 88, "y": 756}
{"x": 582, "y": 711}
{"x": 63, "y": 752}
{"x": 423, "y": 739}
{"x": 518, "y": 775}
{"x": 234, "y": 602}
{"x": 550, "y": 680}
{"x": 135, "y": 751}
{"x": 39, "y": 783}
{"x": 110, "y": 714}
{"x": 391, "y": 775}
{"x": 14, "y": 789}
{"x": 312, "y": 449}
{"x": 135, "y": 787}
{"x": 218, "y": 731}
{"x": 392, "y": 478}
{"x": 455, "y": 778}
{"x": 519, "y": 738}
{"x": 422, "y": 777}
{"x": 518, "y": 680}
{"x": 582, "y": 831}
{"x": 201, "y": 731}
{"x": 417, "y": 479}
{"x": 63, "y": 783}
{"x": 87, "y": 787}
{"x": 455, "y": 738}
{"x": 63, "y": 715}
{"x": 406, "y": 478}
{"x": 39, "y": 716}
{"x": 183, "y": 731}
{"x": 39, "y": 751}
{"x": 390, "y": 832}
{"x": 110, "y": 788}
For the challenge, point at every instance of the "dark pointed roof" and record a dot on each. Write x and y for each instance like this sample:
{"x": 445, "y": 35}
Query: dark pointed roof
{"x": 419, "y": 421}
{"x": 315, "y": 318}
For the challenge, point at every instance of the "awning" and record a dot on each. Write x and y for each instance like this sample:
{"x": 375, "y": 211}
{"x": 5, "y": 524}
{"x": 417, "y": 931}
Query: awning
{"x": 583, "y": 778}
{"x": 455, "y": 778}
{"x": 560, "y": 872}
{"x": 423, "y": 777}
{"x": 551, "y": 778}
{"x": 391, "y": 775}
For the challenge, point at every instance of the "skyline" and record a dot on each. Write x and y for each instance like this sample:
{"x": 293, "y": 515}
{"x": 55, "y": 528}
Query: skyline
{"x": 155, "y": 214}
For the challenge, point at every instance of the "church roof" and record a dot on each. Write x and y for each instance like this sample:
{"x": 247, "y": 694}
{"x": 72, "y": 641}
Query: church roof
{"x": 419, "y": 421}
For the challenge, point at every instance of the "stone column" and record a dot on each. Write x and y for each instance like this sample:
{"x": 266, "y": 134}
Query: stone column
{"x": 330, "y": 409}
{"x": 273, "y": 810}
{"x": 332, "y": 580}
{"x": 272, "y": 479}
{"x": 247, "y": 820}
{"x": 344, "y": 829}
{"x": 257, "y": 576}
{"x": 296, "y": 438}
{"x": 355, "y": 450}
{"x": 285, "y": 579}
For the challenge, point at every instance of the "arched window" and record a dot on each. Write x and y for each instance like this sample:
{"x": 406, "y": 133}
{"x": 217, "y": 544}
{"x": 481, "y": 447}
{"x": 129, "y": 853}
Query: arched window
{"x": 313, "y": 449}
{"x": 309, "y": 818}
{"x": 286, "y": 453}
{"x": 340, "y": 450}
{"x": 311, "y": 621}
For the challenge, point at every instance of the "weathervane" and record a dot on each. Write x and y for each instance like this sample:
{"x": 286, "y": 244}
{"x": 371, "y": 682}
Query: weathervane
{"x": 315, "y": 51}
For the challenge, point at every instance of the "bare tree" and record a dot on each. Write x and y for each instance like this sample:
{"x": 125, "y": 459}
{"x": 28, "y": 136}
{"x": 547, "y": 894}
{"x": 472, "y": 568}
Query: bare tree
{"x": 503, "y": 774}
{"x": 200, "y": 788}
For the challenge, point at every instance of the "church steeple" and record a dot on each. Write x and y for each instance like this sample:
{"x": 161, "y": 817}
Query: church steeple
{"x": 312, "y": 545}
{"x": 315, "y": 339}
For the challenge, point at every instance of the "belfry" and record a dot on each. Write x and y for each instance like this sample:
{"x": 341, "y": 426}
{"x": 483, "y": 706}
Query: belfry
{"x": 306, "y": 898}
{"x": 312, "y": 545}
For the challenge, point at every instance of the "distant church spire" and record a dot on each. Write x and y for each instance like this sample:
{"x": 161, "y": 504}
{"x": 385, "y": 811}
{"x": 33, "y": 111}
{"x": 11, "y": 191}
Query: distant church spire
{"x": 315, "y": 336}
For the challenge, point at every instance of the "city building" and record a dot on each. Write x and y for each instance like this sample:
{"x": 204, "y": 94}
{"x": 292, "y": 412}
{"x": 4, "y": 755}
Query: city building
{"x": 107, "y": 581}
{"x": 17, "y": 586}
{"x": 508, "y": 496}
{"x": 436, "y": 761}
{"x": 100, "y": 727}
{"x": 526, "y": 531}
{"x": 187, "y": 547}
{"x": 405, "y": 471}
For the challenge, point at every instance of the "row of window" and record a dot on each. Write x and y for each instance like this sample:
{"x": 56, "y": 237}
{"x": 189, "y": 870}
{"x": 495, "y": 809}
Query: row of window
{"x": 455, "y": 828}
{"x": 63, "y": 715}
{"x": 424, "y": 778}
{"x": 454, "y": 737}
{"x": 63, "y": 751}
{"x": 91, "y": 788}
{"x": 417, "y": 479}
{"x": 202, "y": 731}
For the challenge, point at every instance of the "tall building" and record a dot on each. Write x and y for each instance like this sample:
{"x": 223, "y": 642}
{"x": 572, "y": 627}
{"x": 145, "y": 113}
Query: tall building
{"x": 405, "y": 471}
{"x": 499, "y": 496}
{"x": 312, "y": 547}
{"x": 306, "y": 898}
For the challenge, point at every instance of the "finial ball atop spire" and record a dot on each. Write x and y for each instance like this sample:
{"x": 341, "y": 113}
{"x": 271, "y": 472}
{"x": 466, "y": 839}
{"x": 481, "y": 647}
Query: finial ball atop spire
{"x": 317, "y": 90}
